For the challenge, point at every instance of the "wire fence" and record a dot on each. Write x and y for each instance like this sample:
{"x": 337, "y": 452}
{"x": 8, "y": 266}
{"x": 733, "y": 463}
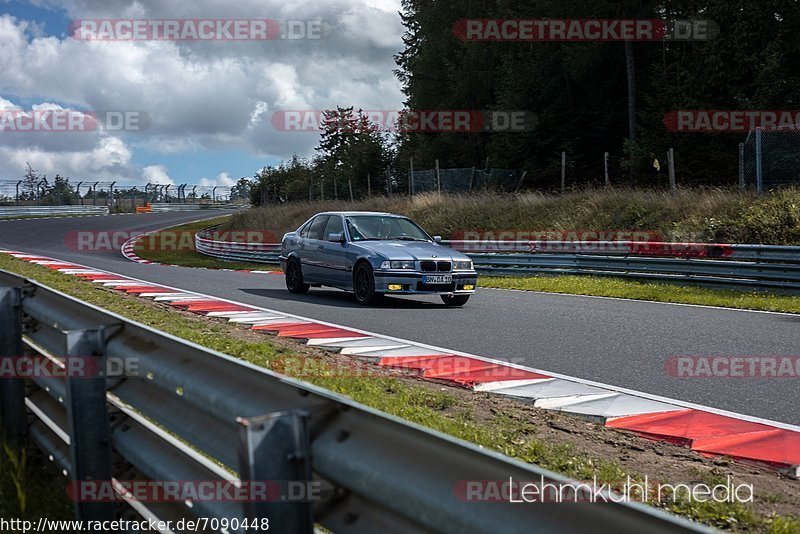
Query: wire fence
{"x": 465, "y": 180}
{"x": 769, "y": 159}
{"x": 118, "y": 197}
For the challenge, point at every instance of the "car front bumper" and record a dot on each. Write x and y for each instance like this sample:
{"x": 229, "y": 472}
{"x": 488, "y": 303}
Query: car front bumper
{"x": 411, "y": 283}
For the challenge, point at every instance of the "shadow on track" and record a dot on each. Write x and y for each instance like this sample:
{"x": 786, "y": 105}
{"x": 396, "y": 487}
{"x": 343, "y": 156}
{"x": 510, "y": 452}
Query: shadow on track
{"x": 340, "y": 299}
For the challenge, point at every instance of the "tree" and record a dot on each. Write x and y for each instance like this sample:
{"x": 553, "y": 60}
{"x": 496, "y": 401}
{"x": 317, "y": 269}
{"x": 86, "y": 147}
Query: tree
{"x": 241, "y": 189}
{"x": 61, "y": 193}
{"x": 351, "y": 150}
{"x": 30, "y": 184}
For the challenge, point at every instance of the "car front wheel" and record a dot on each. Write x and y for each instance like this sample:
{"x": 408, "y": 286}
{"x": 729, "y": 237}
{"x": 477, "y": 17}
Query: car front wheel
{"x": 455, "y": 300}
{"x": 364, "y": 285}
{"x": 294, "y": 278}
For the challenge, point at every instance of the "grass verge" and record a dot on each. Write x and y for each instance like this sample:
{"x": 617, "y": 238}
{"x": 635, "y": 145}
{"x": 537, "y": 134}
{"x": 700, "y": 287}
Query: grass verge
{"x": 703, "y": 215}
{"x": 651, "y": 291}
{"x": 554, "y": 441}
{"x": 157, "y": 248}
{"x": 27, "y": 491}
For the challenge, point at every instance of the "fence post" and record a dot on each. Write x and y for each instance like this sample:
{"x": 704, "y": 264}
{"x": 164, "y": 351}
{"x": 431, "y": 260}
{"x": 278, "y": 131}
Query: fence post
{"x": 438, "y": 180}
{"x": 671, "y": 165}
{"x": 521, "y": 179}
{"x": 563, "y": 172}
{"x": 411, "y": 176}
{"x": 87, "y": 422}
{"x": 759, "y": 175}
{"x": 605, "y": 166}
{"x": 741, "y": 167}
{"x": 369, "y": 185}
{"x": 350, "y": 186}
{"x": 276, "y": 449}
{"x": 389, "y": 182}
{"x": 12, "y": 390}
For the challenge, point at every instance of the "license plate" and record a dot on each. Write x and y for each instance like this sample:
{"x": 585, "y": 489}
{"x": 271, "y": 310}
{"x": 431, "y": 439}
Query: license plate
{"x": 436, "y": 280}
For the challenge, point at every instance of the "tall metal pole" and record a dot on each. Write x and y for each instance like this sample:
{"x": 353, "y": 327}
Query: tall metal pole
{"x": 759, "y": 174}
{"x": 438, "y": 179}
{"x": 671, "y": 164}
{"x": 411, "y": 176}
{"x": 741, "y": 167}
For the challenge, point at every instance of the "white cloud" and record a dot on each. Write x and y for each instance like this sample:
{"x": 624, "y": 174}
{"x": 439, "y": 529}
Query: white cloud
{"x": 210, "y": 95}
{"x": 222, "y": 179}
{"x": 157, "y": 174}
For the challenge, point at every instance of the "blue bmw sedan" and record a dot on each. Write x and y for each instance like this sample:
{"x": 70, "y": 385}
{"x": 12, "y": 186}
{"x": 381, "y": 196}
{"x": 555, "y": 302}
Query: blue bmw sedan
{"x": 372, "y": 255}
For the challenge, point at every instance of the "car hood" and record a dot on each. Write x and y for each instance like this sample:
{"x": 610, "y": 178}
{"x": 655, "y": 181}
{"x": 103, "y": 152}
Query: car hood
{"x": 411, "y": 250}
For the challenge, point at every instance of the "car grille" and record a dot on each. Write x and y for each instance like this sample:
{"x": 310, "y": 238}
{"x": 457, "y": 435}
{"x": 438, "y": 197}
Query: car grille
{"x": 435, "y": 266}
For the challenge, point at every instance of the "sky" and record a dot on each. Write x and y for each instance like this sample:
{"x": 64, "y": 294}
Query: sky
{"x": 208, "y": 105}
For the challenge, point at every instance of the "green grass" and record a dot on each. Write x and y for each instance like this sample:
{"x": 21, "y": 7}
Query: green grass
{"x": 191, "y": 258}
{"x": 658, "y": 292}
{"x": 27, "y": 488}
{"x": 433, "y": 408}
{"x": 705, "y": 215}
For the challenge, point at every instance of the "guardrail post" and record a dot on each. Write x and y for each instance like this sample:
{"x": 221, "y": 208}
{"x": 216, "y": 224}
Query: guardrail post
{"x": 87, "y": 422}
{"x": 276, "y": 449}
{"x": 12, "y": 390}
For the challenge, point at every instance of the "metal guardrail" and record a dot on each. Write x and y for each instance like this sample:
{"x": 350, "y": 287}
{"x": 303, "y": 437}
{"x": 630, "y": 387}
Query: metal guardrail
{"x": 192, "y": 414}
{"x": 232, "y": 251}
{"x": 739, "y": 266}
{"x": 180, "y": 206}
{"x": 33, "y": 211}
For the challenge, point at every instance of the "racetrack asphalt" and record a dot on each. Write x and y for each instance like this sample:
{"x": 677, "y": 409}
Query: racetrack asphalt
{"x": 618, "y": 342}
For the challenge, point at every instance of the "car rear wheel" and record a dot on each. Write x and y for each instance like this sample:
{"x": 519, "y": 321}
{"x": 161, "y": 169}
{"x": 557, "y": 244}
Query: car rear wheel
{"x": 455, "y": 300}
{"x": 294, "y": 278}
{"x": 364, "y": 285}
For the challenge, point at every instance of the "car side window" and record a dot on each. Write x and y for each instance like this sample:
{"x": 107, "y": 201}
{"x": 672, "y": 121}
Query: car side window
{"x": 304, "y": 230}
{"x": 334, "y": 226}
{"x": 316, "y": 227}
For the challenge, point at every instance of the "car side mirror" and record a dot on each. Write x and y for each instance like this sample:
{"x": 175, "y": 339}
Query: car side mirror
{"x": 437, "y": 239}
{"x": 336, "y": 238}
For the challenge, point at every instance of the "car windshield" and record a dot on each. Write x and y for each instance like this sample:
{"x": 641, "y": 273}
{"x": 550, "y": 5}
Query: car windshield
{"x": 382, "y": 227}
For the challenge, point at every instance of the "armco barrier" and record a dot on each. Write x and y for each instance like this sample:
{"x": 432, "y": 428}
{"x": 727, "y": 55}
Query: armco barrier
{"x": 192, "y": 414}
{"x": 44, "y": 211}
{"x": 769, "y": 267}
{"x": 231, "y": 251}
{"x": 180, "y": 206}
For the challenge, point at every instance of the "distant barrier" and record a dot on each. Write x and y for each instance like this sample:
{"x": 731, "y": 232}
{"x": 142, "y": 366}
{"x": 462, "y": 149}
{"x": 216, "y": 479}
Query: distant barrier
{"x": 736, "y": 266}
{"x": 46, "y": 211}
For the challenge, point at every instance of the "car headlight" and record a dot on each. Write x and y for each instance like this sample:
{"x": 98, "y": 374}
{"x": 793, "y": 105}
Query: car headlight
{"x": 462, "y": 265}
{"x": 398, "y": 265}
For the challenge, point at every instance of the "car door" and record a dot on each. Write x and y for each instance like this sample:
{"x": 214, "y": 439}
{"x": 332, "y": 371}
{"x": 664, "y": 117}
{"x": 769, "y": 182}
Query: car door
{"x": 332, "y": 253}
{"x": 310, "y": 249}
